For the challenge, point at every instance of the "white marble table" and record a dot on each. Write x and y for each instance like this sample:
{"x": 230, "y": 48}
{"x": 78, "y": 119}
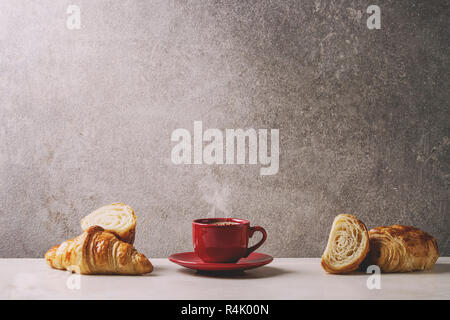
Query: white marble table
{"x": 284, "y": 278}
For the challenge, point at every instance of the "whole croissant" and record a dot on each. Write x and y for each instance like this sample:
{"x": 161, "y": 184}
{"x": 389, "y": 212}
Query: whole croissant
{"x": 97, "y": 251}
{"x": 401, "y": 249}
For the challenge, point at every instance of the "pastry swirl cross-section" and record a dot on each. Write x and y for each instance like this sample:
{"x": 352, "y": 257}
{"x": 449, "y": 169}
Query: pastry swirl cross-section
{"x": 347, "y": 245}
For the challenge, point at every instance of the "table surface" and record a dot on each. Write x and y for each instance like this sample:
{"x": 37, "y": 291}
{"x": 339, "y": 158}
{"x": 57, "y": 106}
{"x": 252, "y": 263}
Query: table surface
{"x": 284, "y": 278}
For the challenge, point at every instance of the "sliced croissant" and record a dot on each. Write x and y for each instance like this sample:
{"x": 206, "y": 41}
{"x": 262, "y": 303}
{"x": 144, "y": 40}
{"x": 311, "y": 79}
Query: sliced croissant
{"x": 401, "y": 249}
{"x": 97, "y": 251}
{"x": 347, "y": 246}
{"x": 117, "y": 218}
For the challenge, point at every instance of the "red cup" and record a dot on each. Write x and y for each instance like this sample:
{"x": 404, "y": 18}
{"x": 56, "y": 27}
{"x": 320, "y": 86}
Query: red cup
{"x": 224, "y": 239}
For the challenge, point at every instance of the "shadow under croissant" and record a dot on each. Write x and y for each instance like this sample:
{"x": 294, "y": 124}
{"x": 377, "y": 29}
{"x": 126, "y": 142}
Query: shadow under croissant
{"x": 151, "y": 274}
{"x": 437, "y": 269}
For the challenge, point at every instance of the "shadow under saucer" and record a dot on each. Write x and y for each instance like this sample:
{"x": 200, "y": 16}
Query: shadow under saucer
{"x": 257, "y": 273}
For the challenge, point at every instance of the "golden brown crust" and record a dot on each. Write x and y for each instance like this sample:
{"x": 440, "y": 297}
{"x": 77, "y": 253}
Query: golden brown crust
{"x": 129, "y": 236}
{"x": 358, "y": 243}
{"x": 400, "y": 248}
{"x": 49, "y": 256}
{"x": 97, "y": 251}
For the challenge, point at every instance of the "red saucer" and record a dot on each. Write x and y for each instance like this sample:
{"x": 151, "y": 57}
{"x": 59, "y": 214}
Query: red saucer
{"x": 192, "y": 261}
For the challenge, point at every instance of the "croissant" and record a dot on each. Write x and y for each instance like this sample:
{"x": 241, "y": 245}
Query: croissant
{"x": 401, "y": 249}
{"x": 117, "y": 218}
{"x": 347, "y": 246}
{"x": 97, "y": 251}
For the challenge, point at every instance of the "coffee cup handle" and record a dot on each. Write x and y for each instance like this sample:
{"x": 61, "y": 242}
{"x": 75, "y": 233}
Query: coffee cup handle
{"x": 259, "y": 244}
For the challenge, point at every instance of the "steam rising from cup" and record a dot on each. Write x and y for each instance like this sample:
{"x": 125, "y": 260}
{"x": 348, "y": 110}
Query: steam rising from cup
{"x": 217, "y": 195}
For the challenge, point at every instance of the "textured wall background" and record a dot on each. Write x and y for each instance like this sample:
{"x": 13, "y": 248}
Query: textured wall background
{"x": 86, "y": 117}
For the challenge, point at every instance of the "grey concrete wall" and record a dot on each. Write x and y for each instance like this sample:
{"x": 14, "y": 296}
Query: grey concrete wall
{"x": 86, "y": 117}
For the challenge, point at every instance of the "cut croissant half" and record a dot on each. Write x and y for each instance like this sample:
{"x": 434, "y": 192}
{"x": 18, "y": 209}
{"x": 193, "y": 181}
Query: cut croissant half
{"x": 117, "y": 218}
{"x": 347, "y": 246}
{"x": 97, "y": 251}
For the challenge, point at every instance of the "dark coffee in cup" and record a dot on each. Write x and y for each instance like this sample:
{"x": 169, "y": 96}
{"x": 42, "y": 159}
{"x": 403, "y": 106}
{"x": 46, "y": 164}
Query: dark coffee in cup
{"x": 224, "y": 223}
